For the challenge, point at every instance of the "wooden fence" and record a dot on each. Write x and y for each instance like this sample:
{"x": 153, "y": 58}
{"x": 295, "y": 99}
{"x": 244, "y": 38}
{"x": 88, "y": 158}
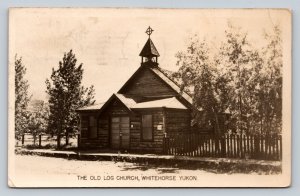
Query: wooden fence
{"x": 230, "y": 146}
{"x": 45, "y": 140}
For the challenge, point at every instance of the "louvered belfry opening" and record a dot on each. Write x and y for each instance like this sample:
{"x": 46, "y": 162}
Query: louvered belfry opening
{"x": 149, "y": 53}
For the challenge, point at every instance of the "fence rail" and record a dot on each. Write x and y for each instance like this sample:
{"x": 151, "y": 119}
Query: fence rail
{"x": 231, "y": 146}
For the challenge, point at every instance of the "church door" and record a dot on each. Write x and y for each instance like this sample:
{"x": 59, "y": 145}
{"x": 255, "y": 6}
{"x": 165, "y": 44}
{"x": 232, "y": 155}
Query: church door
{"x": 120, "y": 132}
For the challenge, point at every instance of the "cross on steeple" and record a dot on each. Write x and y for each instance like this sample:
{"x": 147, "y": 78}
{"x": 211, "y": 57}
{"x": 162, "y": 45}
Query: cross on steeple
{"x": 149, "y": 31}
{"x": 149, "y": 53}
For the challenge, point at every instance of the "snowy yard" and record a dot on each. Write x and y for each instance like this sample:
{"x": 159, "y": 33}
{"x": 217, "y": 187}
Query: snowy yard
{"x": 48, "y": 171}
{"x": 38, "y": 165}
{"x": 45, "y": 171}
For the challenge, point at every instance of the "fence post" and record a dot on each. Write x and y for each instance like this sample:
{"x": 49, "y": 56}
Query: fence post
{"x": 40, "y": 140}
{"x": 244, "y": 146}
{"x": 227, "y": 150}
{"x": 234, "y": 145}
{"x": 223, "y": 145}
{"x": 238, "y": 149}
{"x": 257, "y": 141}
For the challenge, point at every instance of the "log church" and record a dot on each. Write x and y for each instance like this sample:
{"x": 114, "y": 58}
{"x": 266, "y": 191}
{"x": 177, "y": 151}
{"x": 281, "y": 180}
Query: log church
{"x": 148, "y": 107}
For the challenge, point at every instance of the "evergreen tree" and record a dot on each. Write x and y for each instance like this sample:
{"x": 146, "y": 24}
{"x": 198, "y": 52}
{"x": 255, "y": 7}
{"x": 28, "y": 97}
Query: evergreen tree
{"x": 21, "y": 98}
{"x": 66, "y": 94}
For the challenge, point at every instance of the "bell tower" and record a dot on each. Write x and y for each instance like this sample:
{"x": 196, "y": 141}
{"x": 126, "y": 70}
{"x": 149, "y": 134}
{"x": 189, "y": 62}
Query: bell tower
{"x": 149, "y": 53}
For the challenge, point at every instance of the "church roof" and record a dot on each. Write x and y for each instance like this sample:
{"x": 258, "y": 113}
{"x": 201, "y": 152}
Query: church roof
{"x": 167, "y": 103}
{"x": 160, "y": 103}
{"x": 174, "y": 85}
{"x": 166, "y": 78}
{"x": 149, "y": 49}
{"x": 91, "y": 107}
{"x": 130, "y": 104}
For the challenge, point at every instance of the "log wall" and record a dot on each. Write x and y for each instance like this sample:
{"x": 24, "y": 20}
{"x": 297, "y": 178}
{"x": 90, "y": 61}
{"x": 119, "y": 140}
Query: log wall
{"x": 146, "y": 84}
{"x": 178, "y": 121}
{"x": 85, "y": 141}
{"x": 136, "y": 143}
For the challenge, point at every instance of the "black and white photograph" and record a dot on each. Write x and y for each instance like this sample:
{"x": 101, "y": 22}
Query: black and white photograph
{"x": 127, "y": 97}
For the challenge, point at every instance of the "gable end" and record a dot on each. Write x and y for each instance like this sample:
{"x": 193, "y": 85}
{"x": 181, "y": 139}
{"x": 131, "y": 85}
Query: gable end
{"x": 145, "y": 83}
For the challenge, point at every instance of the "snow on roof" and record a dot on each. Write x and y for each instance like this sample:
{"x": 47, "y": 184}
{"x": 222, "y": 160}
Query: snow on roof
{"x": 172, "y": 84}
{"x": 127, "y": 101}
{"x": 91, "y": 107}
{"x": 168, "y": 103}
{"x": 131, "y": 104}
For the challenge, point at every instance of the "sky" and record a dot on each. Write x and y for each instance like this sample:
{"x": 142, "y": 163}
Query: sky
{"x": 108, "y": 41}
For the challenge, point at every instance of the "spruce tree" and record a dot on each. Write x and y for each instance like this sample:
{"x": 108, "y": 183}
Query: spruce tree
{"x": 66, "y": 94}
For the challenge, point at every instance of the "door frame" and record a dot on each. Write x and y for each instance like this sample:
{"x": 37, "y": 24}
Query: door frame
{"x": 110, "y": 131}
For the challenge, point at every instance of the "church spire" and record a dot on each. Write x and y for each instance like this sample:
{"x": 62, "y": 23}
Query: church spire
{"x": 149, "y": 52}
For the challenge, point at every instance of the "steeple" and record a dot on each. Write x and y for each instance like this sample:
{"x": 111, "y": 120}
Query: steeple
{"x": 149, "y": 52}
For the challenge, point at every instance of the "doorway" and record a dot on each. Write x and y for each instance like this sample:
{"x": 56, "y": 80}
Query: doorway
{"x": 120, "y": 132}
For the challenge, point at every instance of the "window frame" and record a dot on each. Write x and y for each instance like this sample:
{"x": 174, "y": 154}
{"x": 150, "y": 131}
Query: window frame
{"x": 95, "y": 125}
{"x": 86, "y": 131}
{"x": 142, "y": 129}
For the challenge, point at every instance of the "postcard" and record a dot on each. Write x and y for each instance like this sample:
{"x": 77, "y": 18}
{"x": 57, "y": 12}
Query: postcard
{"x": 127, "y": 97}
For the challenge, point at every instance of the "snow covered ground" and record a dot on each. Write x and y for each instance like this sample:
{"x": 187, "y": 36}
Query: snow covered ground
{"x": 38, "y": 171}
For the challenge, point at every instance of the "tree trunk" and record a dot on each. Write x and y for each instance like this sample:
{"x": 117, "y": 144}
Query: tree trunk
{"x": 217, "y": 122}
{"x": 67, "y": 137}
{"x": 261, "y": 126}
{"x": 219, "y": 136}
{"x": 58, "y": 141}
{"x": 40, "y": 140}
{"x": 78, "y": 141}
{"x": 240, "y": 115}
{"x": 34, "y": 139}
{"x": 23, "y": 139}
{"x": 58, "y": 134}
